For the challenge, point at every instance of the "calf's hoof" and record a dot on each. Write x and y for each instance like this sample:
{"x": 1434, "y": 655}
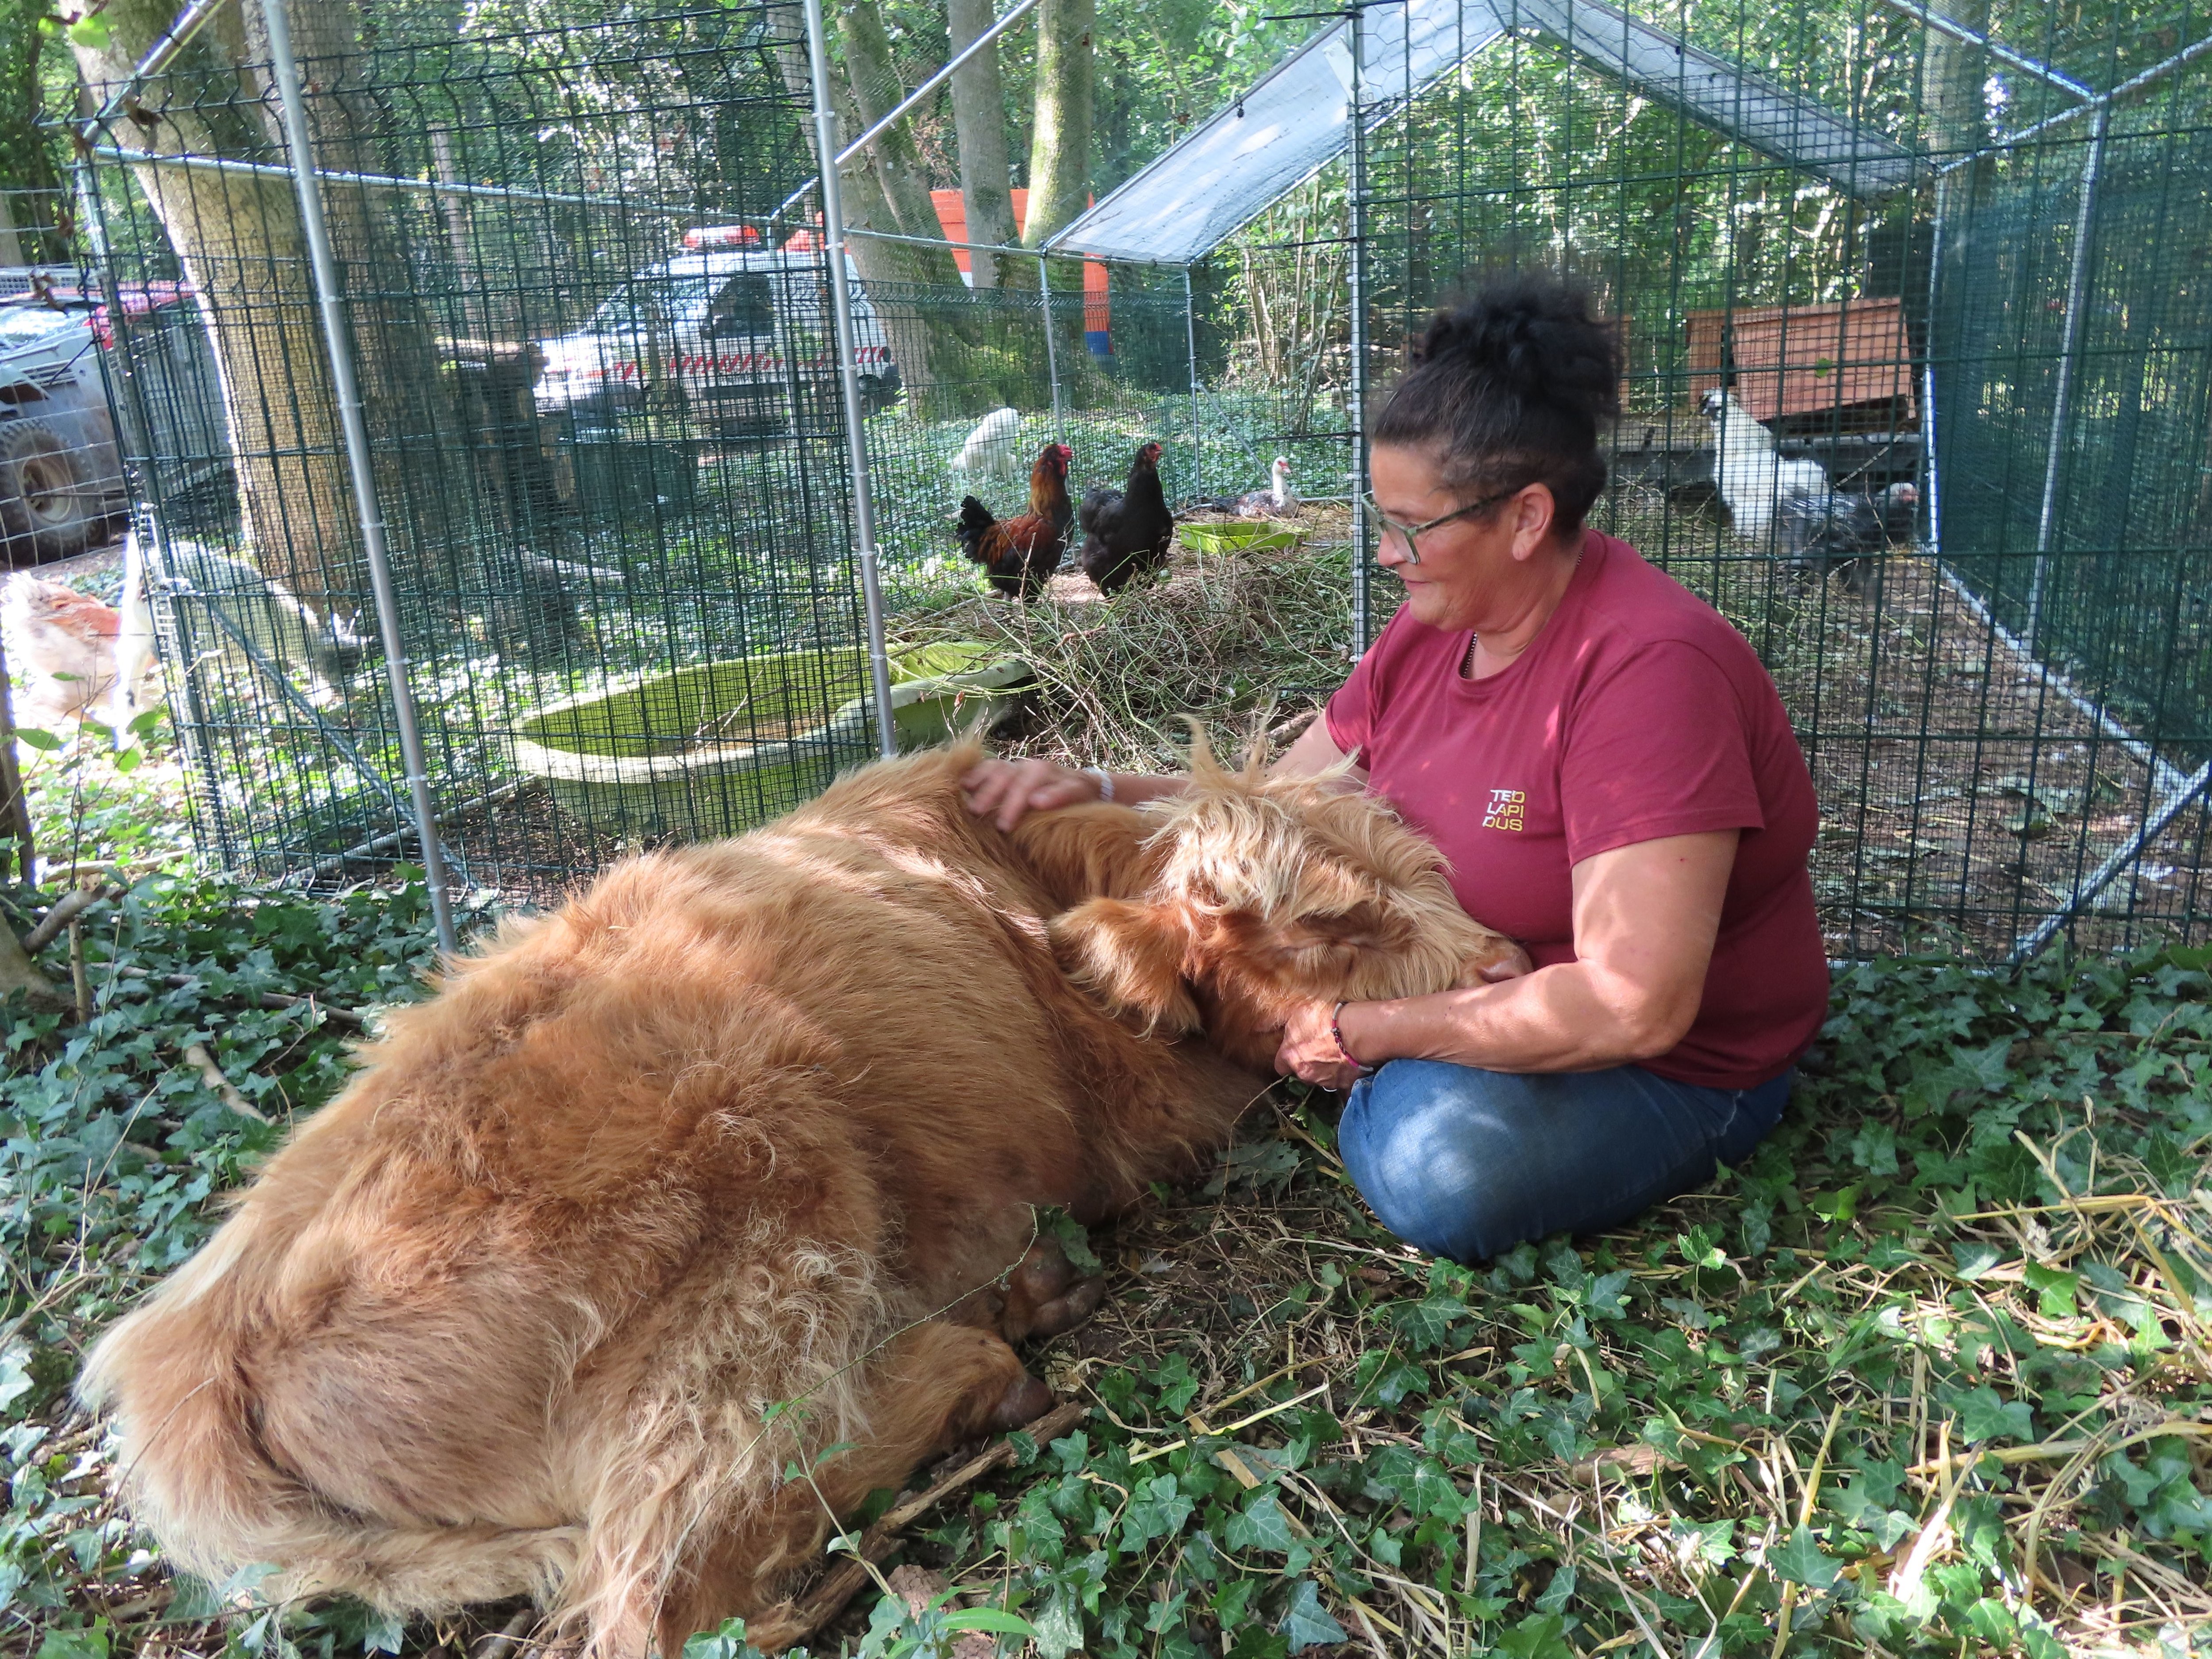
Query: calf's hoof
{"x": 1045, "y": 1296}
{"x": 1025, "y": 1402}
{"x": 1066, "y": 1312}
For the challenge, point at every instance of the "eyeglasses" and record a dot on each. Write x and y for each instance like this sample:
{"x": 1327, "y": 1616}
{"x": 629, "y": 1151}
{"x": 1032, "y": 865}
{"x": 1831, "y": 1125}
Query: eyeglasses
{"x": 1405, "y": 533}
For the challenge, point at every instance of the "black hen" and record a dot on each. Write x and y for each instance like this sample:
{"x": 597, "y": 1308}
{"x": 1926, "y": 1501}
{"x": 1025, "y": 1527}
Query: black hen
{"x": 1126, "y": 531}
{"x": 1835, "y": 532}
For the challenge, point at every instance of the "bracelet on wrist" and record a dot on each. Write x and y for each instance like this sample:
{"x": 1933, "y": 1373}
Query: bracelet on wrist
{"x": 1336, "y": 1035}
{"x": 1103, "y": 779}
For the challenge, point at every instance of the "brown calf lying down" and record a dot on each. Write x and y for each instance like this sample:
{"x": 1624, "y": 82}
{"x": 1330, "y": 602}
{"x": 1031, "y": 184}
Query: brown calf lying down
{"x": 749, "y": 1122}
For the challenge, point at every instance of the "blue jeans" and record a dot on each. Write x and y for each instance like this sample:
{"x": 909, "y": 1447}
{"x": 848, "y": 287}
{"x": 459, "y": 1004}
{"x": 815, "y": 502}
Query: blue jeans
{"x": 1467, "y": 1163}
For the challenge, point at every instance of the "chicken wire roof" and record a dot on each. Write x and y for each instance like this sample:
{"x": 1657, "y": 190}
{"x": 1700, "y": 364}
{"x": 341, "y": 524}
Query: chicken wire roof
{"x": 1294, "y": 118}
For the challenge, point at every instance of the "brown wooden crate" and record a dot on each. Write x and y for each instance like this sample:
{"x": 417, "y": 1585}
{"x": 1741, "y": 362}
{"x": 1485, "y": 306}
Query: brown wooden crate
{"x": 1807, "y": 360}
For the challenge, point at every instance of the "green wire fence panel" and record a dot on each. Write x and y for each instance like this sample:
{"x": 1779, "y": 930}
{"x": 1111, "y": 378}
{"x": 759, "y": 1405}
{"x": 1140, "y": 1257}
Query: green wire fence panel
{"x": 1916, "y": 328}
{"x": 599, "y": 380}
{"x": 1914, "y": 308}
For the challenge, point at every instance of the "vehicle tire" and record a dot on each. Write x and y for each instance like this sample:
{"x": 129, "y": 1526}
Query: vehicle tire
{"x": 47, "y": 512}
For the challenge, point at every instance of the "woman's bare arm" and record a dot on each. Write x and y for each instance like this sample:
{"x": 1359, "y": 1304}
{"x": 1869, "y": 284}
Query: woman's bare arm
{"x": 1007, "y": 790}
{"x": 1313, "y": 751}
{"x": 1645, "y": 919}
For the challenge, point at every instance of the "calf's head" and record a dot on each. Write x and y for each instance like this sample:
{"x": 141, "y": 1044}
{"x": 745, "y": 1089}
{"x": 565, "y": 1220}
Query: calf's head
{"x": 1257, "y": 894}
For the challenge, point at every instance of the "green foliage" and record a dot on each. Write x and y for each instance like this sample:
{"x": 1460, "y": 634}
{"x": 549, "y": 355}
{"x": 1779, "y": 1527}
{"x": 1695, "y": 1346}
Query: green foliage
{"x": 1637, "y": 1432}
{"x": 113, "y": 1154}
{"x": 1993, "y": 1348}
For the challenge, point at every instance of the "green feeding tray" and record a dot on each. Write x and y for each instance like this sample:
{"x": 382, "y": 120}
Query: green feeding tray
{"x": 1240, "y": 535}
{"x": 722, "y": 746}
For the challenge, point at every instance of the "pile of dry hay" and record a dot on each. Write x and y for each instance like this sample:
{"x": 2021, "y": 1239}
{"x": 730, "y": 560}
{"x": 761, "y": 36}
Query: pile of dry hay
{"x": 1224, "y": 638}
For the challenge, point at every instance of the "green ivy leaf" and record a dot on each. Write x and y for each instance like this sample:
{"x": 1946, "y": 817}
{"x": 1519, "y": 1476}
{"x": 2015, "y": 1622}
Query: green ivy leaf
{"x": 1798, "y": 1560}
{"x": 2054, "y": 1288}
{"x": 1543, "y": 1636}
{"x": 1976, "y": 1259}
{"x": 1072, "y": 1238}
{"x": 1059, "y": 1628}
{"x": 1260, "y": 1525}
{"x": 1158, "y": 1510}
{"x": 76, "y": 1642}
{"x": 1983, "y": 1415}
{"x": 1608, "y": 1298}
{"x": 1305, "y": 1623}
{"x": 1257, "y": 1642}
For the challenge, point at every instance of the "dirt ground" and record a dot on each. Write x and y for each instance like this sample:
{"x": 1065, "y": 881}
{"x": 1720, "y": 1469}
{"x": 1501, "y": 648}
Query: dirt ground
{"x": 1966, "y": 792}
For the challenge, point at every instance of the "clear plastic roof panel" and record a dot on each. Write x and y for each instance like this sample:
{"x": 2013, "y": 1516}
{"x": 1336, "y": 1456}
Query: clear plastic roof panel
{"x": 1296, "y": 118}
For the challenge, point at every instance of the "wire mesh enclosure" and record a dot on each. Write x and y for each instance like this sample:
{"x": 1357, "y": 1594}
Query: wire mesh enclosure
{"x": 1913, "y": 310}
{"x": 1914, "y": 321}
{"x": 600, "y": 390}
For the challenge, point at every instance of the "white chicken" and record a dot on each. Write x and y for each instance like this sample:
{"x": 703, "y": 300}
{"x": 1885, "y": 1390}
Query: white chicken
{"x": 1277, "y": 501}
{"x": 993, "y": 448}
{"x": 1749, "y": 472}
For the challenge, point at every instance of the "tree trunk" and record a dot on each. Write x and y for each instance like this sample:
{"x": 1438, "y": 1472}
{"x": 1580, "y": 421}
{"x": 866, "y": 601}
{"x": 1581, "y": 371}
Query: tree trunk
{"x": 27, "y": 155}
{"x": 1954, "y": 74}
{"x": 979, "y": 122}
{"x": 238, "y": 237}
{"x": 1059, "y": 152}
{"x": 885, "y": 190}
{"x": 241, "y": 242}
{"x": 873, "y": 78}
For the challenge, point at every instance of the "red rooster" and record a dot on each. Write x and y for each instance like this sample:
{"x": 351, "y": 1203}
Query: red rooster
{"x": 1021, "y": 553}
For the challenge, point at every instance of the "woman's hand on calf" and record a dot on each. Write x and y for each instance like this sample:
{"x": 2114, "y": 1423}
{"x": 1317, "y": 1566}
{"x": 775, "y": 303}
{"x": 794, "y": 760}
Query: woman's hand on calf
{"x": 1310, "y": 1051}
{"x": 1006, "y": 791}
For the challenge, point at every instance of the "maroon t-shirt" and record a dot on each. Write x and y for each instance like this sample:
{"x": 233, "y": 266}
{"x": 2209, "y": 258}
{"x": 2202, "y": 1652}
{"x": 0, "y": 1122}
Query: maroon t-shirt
{"x": 1638, "y": 712}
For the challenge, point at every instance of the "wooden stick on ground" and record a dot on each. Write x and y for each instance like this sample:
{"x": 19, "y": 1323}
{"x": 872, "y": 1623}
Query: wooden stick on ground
{"x": 196, "y": 1055}
{"x": 790, "y": 1622}
{"x": 502, "y": 1643}
{"x": 80, "y": 986}
{"x": 64, "y": 911}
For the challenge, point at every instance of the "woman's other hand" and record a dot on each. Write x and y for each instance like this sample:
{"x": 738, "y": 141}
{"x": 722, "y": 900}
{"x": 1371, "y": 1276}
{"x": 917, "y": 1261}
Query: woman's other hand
{"x": 1309, "y": 1051}
{"x": 1005, "y": 791}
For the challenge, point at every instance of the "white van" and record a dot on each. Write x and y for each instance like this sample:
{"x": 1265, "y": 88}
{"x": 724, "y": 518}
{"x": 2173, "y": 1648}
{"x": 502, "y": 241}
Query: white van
{"x": 743, "y": 333}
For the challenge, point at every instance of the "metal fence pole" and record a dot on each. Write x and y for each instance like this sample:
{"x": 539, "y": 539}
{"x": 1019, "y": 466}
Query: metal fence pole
{"x": 1051, "y": 351}
{"x": 1356, "y": 275}
{"x": 1930, "y": 467}
{"x": 2062, "y": 397}
{"x": 1190, "y": 343}
{"x": 299, "y": 146}
{"x": 848, "y": 376}
{"x": 2087, "y": 889}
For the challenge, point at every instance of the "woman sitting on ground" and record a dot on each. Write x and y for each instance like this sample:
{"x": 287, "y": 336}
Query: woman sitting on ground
{"x": 1608, "y": 770}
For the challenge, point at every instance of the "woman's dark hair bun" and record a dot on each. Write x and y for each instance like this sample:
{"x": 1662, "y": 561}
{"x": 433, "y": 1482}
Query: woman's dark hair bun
{"x": 1535, "y": 334}
{"x": 1512, "y": 384}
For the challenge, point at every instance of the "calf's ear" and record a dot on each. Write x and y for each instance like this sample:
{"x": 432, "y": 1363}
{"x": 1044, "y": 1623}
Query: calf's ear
{"x": 1128, "y": 957}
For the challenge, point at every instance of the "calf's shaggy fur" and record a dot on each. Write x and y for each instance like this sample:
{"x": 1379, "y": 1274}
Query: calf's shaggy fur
{"x": 749, "y": 1122}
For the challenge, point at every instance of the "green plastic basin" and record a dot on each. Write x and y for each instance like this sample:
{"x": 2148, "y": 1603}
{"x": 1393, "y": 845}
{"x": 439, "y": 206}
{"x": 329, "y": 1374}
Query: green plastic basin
{"x": 720, "y": 747}
{"x": 1234, "y": 537}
